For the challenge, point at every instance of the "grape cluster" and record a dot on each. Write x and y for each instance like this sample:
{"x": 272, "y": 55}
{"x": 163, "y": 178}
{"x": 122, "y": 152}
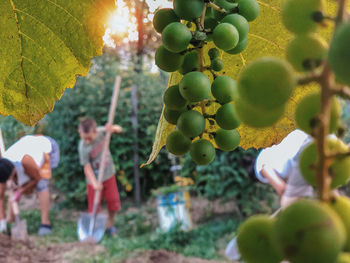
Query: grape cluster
{"x": 186, "y": 29}
{"x": 307, "y": 231}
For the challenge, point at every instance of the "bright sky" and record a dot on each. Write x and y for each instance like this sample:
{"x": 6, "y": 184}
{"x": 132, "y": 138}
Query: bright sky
{"x": 123, "y": 23}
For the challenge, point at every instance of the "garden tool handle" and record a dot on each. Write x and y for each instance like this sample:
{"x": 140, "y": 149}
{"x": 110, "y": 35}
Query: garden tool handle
{"x": 111, "y": 114}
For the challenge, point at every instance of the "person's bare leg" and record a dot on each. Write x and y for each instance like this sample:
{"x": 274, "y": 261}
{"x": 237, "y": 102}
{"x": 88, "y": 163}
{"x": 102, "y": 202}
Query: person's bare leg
{"x": 110, "y": 220}
{"x": 44, "y": 200}
{"x": 10, "y": 216}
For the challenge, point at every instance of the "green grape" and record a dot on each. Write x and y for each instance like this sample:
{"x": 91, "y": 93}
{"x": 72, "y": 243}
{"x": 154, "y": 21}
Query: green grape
{"x": 191, "y": 62}
{"x": 168, "y": 61}
{"x": 177, "y": 143}
{"x": 191, "y": 123}
{"x": 338, "y": 169}
{"x": 343, "y": 258}
{"x": 213, "y": 53}
{"x": 226, "y": 117}
{"x": 188, "y": 9}
{"x": 341, "y": 205}
{"x": 176, "y": 37}
{"x": 306, "y": 52}
{"x": 242, "y": 44}
{"x": 239, "y": 22}
{"x": 308, "y": 109}
{"x": 309, "y": 232}
{"x": 217, "y": 64}
{"x": 224, "y": 89}
{"x": 250, "y": 9}
{"x": 228, "y": 6}
{"x": 267, "y": 83}
{"x": 256, "y": 117}
{"x": 339, "y": 54}
{"x": 202, "y": 152}
{"x": 195, "y": 86}
{"x": 173, "y": 99}
{"x": 164, "y": 17}
{"x": 297, "y": 15}
{"x": 172, "y": 116}
{"x": 256, "y": 241}
{"x": 227, "y": 140}
{"x": 225, "y": 36}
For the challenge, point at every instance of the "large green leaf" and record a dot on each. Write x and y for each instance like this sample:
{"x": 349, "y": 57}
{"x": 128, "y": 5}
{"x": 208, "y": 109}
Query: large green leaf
{"x": 267, "y": 37}
{"x": 44, "y": 44}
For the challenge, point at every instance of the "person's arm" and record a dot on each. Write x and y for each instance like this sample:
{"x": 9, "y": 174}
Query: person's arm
{"x": 2, "y": 200}
{"x": 32, "y": 170}
{"x": 276, "y": 182}
{"x": 89, "y": 173}
{"x": 113, "y": 128}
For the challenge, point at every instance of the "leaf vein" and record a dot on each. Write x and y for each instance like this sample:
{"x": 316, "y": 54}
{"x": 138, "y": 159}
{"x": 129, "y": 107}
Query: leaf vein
{"x": 267, "y": 40}
{"x": 65, "y": 10}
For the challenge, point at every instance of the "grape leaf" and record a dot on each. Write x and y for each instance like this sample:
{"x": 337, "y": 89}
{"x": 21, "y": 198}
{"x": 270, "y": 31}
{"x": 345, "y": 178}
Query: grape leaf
{"x": 267, "y": 37}
{"x": 44, "y": 44}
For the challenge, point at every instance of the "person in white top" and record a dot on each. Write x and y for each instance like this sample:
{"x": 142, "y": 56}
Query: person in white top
{"x": 278, "y": 165}
{"x": 28, "y": 163}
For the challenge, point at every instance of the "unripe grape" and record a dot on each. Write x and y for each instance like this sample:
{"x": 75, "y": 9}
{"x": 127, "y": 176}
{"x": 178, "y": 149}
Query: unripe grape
{"x": 256, "y": 241}
{"x": 267, "y": 83}
{"x": 213, "y": 53}
{"x": 226, "y": 117}
{"x": 188, "y": 9}
{"x": 308, "y": 109}
{"x": 239, "y": 22}
{"x": 173, "y": 99}
{"x": 242, "y": 44}
{"x": 224, "y": 89}
{"x": 191, "y": 62}
{"x": 191, "y": 123}
{"x": 172, "y": 116}
{"x": 309, "y": 232}
{"x": 176, "y": 37}
{"x": 195, "y": 86}
{"x": 341, "y": 205}
{"x": 228, "y": 6}
{"x": 177, "y": 143}
{"x": 306, "y": 52}
{"x": 256, "y": 117}
{"x": 202, "y": 152}
{"x": 164, "y": 17}
{"x": 250, "y": 9}
{"x": 168, "y": 61}
{"x": 297, "y": 15}
{"x": 225, "y": 36}
{"x": 339, "y": 166}
{"x": 339, "y": 54}
{"x": 227, "y": 140}
{"x": 217, "y": 64}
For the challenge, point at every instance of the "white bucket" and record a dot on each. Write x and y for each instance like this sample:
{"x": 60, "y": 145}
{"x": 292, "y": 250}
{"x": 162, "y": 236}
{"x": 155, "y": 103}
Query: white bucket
{"x": 172, "y": 211}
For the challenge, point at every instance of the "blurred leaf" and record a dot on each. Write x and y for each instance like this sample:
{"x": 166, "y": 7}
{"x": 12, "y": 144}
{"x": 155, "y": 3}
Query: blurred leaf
{"x": 43, "y": 46}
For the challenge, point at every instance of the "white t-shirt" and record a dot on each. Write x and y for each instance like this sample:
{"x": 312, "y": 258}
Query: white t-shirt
{"x": 280, "y": 157}
{"x": 34, "y": 146}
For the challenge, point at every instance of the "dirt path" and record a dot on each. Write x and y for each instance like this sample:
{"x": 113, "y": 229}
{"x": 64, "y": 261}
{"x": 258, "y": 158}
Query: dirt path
{"x": 162, "y": 256}
{"x": 30, "y": 252}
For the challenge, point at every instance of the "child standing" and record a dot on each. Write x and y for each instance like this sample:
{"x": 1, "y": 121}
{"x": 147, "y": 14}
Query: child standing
{"x": 90, "y": 155}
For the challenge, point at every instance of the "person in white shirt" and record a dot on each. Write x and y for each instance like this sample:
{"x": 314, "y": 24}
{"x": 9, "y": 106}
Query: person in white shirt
{"x": 28, "y": 163}
{"x": 278, "y": 165}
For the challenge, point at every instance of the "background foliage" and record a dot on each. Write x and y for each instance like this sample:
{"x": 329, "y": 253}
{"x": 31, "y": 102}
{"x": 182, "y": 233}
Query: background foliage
{"x": 228, "y": 177}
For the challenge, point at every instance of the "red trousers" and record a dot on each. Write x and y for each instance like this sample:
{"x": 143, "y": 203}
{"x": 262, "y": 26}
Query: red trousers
{"x": 109, "y": 193}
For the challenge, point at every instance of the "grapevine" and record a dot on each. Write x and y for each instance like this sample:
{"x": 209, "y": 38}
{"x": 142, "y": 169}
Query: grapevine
{"x": 307, "y": 231}
{"x": 186, "y": 30}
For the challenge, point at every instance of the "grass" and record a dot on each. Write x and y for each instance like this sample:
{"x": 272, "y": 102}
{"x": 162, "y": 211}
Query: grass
{"x": 137, "y": 233}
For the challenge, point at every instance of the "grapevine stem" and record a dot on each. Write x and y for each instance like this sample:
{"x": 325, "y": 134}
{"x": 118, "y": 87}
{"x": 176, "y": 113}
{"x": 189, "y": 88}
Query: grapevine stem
{"x": 203, "y": 16}
{"x": 343, "y": 91}
{"x": 337, "y": 155}
{"x": 217, "y": 8}
{"x": 326, "y": 81}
